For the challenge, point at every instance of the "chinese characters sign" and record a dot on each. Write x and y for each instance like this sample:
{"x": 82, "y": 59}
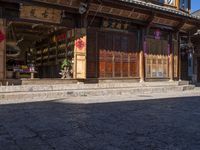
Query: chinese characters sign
{"x": 40, "y": 13}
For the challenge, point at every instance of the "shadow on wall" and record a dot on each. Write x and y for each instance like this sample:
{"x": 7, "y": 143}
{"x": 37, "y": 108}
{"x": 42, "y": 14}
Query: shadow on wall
{"x": 167, "y": 124}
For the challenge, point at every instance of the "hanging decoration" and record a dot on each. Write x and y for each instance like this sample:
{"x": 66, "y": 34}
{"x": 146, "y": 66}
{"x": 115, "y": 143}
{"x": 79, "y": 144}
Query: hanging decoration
{"x": 157, "y": 34}
{"x": 2, "y": 36}
{"x": 80, "y": 44}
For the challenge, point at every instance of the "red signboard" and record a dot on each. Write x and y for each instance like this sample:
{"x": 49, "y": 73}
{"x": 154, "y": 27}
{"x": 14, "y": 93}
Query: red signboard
{"x": 2, "y": 36}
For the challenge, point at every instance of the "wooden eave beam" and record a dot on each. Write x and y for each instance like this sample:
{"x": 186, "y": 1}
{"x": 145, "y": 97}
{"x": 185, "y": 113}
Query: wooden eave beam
{"x": 151, "y": 19}
{"x": 179, "y": 26}
{"x": 141, "y": 9}
{"x": 122, "y": 5}
{"x": 115, "y": 17}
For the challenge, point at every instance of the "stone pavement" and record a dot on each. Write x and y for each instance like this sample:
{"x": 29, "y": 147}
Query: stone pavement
{"x": 130, "y": 122}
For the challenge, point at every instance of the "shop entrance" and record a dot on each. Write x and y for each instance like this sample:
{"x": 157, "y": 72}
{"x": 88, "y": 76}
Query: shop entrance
{"x": 36, "y": 47}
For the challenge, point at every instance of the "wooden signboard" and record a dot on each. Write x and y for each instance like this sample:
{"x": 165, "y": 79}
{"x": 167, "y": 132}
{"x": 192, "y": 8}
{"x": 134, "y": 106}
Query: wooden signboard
{"x": 80, "y": 45}
{"x": 40, "y": 13}
{"x": 2, "y": 49}
{"x": 69, "y": 3}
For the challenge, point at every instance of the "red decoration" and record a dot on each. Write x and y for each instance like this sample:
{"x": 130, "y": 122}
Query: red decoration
{"x": 61, "y": 37}
{"x": 2, "y": 36}
{"x": 157, "y": 34}
{"x": 80, "y": 44}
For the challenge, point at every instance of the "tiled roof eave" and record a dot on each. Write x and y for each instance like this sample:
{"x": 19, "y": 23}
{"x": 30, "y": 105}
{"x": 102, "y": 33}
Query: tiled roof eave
{"x": 162, "y": 8}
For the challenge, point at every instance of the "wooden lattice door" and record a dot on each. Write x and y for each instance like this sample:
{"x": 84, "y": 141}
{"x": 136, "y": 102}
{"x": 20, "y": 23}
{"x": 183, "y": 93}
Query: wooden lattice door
{"x": 117, "y": 55}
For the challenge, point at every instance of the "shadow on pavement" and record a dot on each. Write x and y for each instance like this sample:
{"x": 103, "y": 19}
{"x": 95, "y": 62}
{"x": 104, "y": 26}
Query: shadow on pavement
{"x": 166, "y": 124}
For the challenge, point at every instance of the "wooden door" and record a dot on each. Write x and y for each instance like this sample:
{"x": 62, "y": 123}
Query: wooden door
{"x": 92, "y": 54}
{"x": 133, "y": 56}
{"x": 125, "y": 56}
{"x": 117, "y": 56}
{"x": 198, "y": 70}
{"x": 112, "y": 55}
{"x": 102, "y": 54}
{"x": 109, "y": 55}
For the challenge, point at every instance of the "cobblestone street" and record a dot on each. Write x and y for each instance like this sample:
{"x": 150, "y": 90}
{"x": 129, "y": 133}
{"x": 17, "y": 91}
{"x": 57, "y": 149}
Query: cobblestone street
{"x": 143, "y": 122}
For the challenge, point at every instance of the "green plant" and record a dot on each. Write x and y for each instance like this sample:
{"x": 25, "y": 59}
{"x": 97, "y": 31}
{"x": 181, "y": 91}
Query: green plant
{"x": 66, "y": 63}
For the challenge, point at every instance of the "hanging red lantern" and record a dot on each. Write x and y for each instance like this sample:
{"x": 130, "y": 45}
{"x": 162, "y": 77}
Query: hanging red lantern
{"x": 2, "y": 36}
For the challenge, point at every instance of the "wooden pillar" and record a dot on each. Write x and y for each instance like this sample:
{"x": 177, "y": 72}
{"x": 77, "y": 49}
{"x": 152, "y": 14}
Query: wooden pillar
{"x": 80, "y": 52}
{"x": 178, "y": 4}
{"x": 179, "y": 57}
{"x": 2, "y": 50}
{"x": 141, "y": 56}
{"x": 142, "y": 61}
{"x": 171, "y": 58}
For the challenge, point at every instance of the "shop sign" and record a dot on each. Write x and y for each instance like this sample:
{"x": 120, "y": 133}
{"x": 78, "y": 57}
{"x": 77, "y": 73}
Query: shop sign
{"x": 2, "y": 36}
{"x": 40, "y": 13}
{"x": 115, "y": 25}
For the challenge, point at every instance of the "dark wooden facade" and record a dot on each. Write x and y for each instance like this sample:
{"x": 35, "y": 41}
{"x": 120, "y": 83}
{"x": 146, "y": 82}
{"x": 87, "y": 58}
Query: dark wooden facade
{"x": 125, "y": 39}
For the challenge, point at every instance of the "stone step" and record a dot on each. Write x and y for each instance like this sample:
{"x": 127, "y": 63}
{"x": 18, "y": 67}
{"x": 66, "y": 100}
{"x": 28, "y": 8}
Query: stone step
{"x": 62, "y": 87}
{"x": 91, "y": 92}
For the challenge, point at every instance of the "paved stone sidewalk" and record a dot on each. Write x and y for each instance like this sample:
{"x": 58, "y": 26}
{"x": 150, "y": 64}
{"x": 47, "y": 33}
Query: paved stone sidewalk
{"x": 137, "y": 122}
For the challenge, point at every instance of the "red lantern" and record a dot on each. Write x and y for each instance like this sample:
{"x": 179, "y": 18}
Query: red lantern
{"x": 2, "y": 36}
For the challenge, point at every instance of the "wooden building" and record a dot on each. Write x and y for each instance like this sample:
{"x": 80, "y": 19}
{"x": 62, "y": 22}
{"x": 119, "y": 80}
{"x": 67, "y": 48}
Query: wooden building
{"x": 105, "y": 39}
{"x": 195, "y": 39}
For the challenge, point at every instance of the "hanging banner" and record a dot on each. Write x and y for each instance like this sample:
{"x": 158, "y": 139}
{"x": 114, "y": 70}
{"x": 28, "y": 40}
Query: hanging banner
{"x": 80, "y": 47}
{"x": 2, "y": 36}
{"x": 40, "y": 13}
{"x": 2, "y": 49}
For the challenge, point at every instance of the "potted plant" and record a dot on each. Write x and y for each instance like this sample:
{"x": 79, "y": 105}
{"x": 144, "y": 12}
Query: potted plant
{"x": 66, "y": 69}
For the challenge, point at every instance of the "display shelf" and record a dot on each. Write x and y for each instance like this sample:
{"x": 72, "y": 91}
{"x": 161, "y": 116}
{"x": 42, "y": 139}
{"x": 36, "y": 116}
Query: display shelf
{"x": 49, "y": 56}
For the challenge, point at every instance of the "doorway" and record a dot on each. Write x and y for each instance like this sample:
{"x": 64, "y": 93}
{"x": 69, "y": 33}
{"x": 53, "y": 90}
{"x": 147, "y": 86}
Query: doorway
{"x": 198, "y": 69}
{"x": 36, "y": 47}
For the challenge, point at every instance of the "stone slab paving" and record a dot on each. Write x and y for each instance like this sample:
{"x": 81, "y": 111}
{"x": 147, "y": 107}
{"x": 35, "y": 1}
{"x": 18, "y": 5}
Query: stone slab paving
{"x": 168, "y": 121}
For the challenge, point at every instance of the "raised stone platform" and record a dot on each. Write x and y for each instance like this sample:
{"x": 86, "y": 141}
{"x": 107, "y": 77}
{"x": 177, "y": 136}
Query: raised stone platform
{"x": 52, "y": 91}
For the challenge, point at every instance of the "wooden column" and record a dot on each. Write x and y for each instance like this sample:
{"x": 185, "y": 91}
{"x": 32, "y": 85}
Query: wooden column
{"x": 2, "y": 50}
{"x": 177, "y": 4}
{"x": 171, "y": 59}
{"x": 80, "y": 49}
{"x": 142, "y": 61}
{"x": 179, "y": 57}
{"x": 141, "y": 56}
